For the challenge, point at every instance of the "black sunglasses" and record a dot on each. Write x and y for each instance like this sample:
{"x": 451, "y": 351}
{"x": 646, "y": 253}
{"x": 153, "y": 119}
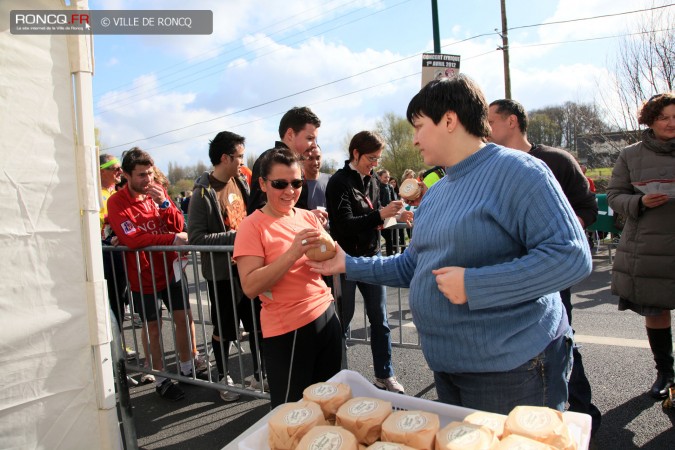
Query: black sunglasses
{"x": 283, "y": 184}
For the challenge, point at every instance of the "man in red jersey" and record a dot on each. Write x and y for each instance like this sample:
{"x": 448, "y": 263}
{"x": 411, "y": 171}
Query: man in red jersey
{"x": 142, "y": 215}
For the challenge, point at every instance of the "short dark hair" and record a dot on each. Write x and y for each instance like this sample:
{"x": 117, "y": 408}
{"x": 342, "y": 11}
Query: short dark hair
{"x": 459, "y": 94}
{"x": 507, "y": 107}
{"x": 225, "y": 143}
{"x": 296, "y": 118}
{"x": 653, "y": 107}
{"x": 276, "y": 156}
{"x": 135, "y": 157}
{"x": 365, "y": 142}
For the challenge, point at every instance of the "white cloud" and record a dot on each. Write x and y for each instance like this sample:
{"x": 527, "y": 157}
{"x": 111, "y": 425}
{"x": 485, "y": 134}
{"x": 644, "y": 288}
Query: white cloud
{"x": 267, "y": 75}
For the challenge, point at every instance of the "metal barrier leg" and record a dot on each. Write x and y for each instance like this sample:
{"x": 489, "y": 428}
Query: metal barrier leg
{"x": 124, "y": 411}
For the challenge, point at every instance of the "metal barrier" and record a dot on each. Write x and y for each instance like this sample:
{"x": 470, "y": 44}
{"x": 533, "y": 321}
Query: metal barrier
{"x": 195, "y": 293}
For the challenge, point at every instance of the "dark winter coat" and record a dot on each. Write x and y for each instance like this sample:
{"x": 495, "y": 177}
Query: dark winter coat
{"x": 644, "y": 266}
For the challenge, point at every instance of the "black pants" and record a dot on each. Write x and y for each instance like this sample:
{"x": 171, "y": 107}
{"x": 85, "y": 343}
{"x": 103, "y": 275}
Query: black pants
{"x": 225, "y": 325}
{"x": 316, "y": 351}
{"x": 579, "y": 388}
{"x": 113, "y": 272}
{"x": 388, "y": 236}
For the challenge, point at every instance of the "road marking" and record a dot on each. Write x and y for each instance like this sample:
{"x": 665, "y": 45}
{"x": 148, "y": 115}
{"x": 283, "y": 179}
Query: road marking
{"x": 608, "y": 340}
{"x": 587, "y": 339}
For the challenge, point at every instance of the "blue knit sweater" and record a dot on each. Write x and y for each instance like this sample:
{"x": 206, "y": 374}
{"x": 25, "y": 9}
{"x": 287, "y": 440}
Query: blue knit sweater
{"x": 500, "y": 214}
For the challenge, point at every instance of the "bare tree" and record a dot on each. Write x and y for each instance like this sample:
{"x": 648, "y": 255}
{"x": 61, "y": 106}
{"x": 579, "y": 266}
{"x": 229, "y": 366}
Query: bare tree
{"x": 558, "y": 126}
{"x": 644, "y": 66}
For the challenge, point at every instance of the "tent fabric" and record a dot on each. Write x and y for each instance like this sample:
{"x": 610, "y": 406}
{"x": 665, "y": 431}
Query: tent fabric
{"x": 55, "y": 389}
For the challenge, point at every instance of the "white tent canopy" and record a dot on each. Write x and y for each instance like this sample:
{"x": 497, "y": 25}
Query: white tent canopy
{"x": 56, "y": 384}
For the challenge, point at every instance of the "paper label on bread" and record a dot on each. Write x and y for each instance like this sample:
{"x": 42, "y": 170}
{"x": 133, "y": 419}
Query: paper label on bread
{"x": 297, "y": 416}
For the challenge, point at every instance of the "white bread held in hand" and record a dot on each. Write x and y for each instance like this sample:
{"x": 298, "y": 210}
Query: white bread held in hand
{"x": 416, "y": 429}
{"x": 291, "y": 422}
{"x": 410, "y": 189}
{"x": 329, "y": 438}
{"x": 324, "y": 251}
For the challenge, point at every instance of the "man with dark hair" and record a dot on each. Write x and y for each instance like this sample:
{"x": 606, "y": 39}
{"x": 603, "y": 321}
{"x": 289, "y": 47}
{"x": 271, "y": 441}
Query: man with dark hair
{"x": 142, "y": 215}
{"x": 298, "y": 130}
{"x": 508, "y": 121}
{"x": 315, "y": 180}
{"x": 217, "y": 208}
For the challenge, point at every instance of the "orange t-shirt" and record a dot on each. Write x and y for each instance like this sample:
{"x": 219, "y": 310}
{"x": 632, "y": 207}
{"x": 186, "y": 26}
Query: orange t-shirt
{"x": 300, "y": 296}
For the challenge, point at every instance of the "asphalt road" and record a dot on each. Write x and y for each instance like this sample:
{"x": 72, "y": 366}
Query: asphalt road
{"x": 614, "y": 347}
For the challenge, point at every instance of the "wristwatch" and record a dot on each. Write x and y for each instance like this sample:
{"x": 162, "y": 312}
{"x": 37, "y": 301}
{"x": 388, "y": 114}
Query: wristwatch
{"x": 165, "y": 204}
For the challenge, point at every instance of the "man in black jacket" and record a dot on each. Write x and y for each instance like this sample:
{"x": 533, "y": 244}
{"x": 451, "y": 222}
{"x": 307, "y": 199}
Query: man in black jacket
{"x": 355, "y": 213}
{"x": 217, "y": 207}
{"x": 298, "y": 131}
{"x": 508, "y": 121}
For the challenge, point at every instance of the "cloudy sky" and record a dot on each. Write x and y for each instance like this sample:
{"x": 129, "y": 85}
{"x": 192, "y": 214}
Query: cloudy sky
{"x": 351, "y": 61}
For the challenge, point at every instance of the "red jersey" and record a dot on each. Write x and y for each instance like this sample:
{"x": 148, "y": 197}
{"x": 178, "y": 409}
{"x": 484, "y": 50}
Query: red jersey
{"x": 140, "y": 223}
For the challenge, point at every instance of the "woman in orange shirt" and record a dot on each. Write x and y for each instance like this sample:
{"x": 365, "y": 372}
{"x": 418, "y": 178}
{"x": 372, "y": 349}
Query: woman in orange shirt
{"x": 302, "y": 335}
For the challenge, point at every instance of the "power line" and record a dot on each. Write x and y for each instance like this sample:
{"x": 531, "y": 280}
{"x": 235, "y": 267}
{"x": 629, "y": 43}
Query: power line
{"x": 113, "y": 106}
{"x": 376, "y": 68}
{"x": 325, "y": 12}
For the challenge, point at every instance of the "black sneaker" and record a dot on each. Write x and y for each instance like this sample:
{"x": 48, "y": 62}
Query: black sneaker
{"x": 168, "y": 390}
{"x": 201, "y": 375}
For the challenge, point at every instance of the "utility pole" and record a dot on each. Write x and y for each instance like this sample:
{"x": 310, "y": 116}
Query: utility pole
{"x": 434, "y": 18}
{"x": 505, "y": 51}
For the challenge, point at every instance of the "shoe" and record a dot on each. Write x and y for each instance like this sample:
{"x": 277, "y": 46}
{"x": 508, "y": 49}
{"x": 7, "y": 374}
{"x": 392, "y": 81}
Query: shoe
{"x": 202, "y": 363}
{"x": 226, "y": 395}
{"x": 255, "y": 384}
{"x": 169, "y": 391}
{"x": 131, "y": 353}
{"x": 138, "y": 323}
{"x": 147, "y": 378}
{"x": 203, "y": 375}
{"x": 390, "y": 384}
{"x": 661, "y": 386}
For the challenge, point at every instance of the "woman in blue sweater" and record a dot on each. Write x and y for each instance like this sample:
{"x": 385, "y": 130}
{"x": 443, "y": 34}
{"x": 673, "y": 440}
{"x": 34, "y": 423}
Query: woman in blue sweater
{"x": 485, "y": 303}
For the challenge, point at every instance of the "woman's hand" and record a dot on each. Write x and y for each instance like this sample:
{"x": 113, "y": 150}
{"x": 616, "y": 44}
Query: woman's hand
{"x": 331, "y": 266}
{"x": 407, "y": 217}
{"x": 654, "y": 200}
{"x": 450, "y": 282}
{"x": 304, "y": 240}
{"x": 391, "y": 209}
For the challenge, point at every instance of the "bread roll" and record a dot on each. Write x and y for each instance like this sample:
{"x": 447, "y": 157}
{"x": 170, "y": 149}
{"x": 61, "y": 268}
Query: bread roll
{"x": 327, "y": 437}
{"x": 290, "y": 423}
{"x": 516, "y": 442}
{"x": 409, "y": 189}
{"x": 493, "y": 421}
{"x": 363, "y": 416}
{"x": 324, "y": 251}
{"x": 329, "y": 396}
{"x": 541, "y": 424}
{"x": 389, "y": 446}
{"x": 416, "y": 429}
{"x": 465, "y": 436}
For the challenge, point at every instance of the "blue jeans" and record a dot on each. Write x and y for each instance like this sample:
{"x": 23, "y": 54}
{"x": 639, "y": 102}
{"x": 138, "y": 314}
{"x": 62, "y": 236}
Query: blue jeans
{"x": 542, "y": 381}
{"x": 375, "y": 299}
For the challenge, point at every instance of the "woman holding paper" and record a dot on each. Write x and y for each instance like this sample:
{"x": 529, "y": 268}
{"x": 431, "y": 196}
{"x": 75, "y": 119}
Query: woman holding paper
{"x": 355, "y": 215}
{"x": 643, "y": 275}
